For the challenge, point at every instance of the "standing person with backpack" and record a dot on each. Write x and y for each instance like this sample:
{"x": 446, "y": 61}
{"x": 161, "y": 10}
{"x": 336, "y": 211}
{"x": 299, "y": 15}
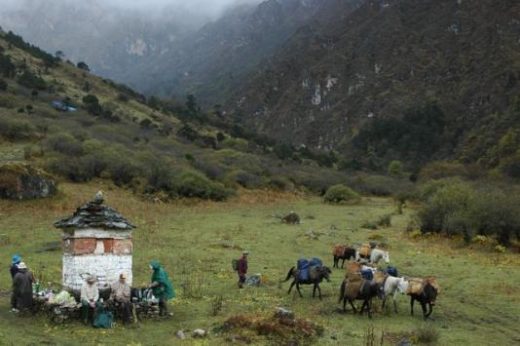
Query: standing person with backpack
{"x": 161, "y": 286}
{"x": 242, "y": 269}
{"x": 15, "y": 261}
{"x": 22, "y": 288}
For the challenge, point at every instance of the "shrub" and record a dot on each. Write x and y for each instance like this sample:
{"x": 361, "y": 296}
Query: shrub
{"x": 13, "y": 129}
{"x": 395, "y": 168}
{"x": 281, "y": 184}
{"x": 83, "y": 66}
{"x": 245, "y": 179}
{"x": 385, "y": 221}
{"x": 32, "y": 81}
{"x": 3, "y": 85}
{"x": 7, "y": 68}
{"x": 193, "y": 184}
{"x": 379, "y": 185}
{"x": 66, "y": 144}
{"x": 426, "y": 335}
{"x": 442, "y": 169}
{"x": 457, "y": 208}
{"x": 340, "y": 194}
{"x": 92, "y": 105}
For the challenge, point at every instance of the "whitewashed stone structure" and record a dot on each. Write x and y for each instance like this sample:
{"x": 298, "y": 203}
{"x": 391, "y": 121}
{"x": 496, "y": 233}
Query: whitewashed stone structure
{"x": 97, "y": 241}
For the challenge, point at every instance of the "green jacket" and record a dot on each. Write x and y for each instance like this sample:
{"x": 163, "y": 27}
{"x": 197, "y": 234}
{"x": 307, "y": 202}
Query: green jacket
{"x": 164, "y": 288}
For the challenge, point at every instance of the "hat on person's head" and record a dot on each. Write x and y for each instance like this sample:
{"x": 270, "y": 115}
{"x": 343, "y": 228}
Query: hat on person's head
{"x": 16, "y": 259}
{"x": 245, "y": 253}
{"x": 91, "y": 279}
{"x": 22, "y": 265}
{"x": 122, "y": 276}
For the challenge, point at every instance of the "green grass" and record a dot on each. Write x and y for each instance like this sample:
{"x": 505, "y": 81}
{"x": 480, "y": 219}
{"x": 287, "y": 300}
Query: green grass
{"x": 479, "y": 303}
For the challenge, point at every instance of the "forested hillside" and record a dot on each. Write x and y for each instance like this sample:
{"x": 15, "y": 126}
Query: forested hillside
{"x": 79, "y": 127}
{"x": 396, "y": 80}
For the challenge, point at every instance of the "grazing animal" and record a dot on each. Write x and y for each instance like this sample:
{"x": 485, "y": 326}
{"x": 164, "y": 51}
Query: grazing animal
{"x": 375, "y": 256}
{"x": 344, "y": 253}
{"x": 356, "y": 288}
{"x": 392, "y": 286}
{"x": 320, "y": 274}
{"x": 425, "y": 292}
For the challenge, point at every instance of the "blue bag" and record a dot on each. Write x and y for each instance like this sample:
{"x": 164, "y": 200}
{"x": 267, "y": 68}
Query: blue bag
{"x": 315, "y": 262}
{"x": 367, "y": 274}
{"x": 392, "y": 271}
{"x": 303, "y": 269}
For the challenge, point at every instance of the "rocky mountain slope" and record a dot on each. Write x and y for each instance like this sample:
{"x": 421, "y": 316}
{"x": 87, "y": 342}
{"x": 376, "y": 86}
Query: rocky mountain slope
{"x": 395, "y": 79}
{"x": 216, "y": 59}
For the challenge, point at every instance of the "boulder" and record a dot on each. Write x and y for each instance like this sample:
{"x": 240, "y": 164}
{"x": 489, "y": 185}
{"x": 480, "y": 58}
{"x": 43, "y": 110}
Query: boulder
{"x": 199, "y": 333}
{"x": 23, "y": 181}
{"x": 292, "y": 218}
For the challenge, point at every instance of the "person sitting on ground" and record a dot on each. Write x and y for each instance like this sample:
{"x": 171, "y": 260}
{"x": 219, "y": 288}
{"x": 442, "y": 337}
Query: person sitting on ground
{"x": 120, "y": 294}
{"x": 15, "y": 260}
{"x": 242, "y": 269}
{"x": 162, "y": 287}
{"x": 89, "y": 298}
{"x": 22, "y": 288}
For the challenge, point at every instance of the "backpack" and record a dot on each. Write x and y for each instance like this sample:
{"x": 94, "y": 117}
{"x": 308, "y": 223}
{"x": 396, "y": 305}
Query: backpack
{"x": 234, "y": 264}
{"x": 103, "y": 319}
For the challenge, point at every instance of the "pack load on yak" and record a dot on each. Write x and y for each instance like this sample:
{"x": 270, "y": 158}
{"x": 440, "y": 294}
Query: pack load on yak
{"x": 315, "y": 264}
{"x": 303, "y": 269}
{"x": 367, "y": 274}
{"x": 392, "y": 271}
{"x": 365, "y": 250}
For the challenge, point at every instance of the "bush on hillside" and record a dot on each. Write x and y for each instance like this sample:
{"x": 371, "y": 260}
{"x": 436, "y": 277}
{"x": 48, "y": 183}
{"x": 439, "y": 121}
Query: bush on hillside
{"x": 18, "y": 41}
{"x": 15, "y": 130}
{"x": 281, "y": 184}
{"x": 92, "y": 105}
{"x": 379, "y": 185}
{"x": 245, "y": 179}
{"x": 64, "y": 143}
{"x": 7, "y": 68}
{"x": 3, "y": 85}
{"x": 32, "y": 81}
{"x": 340, "y": 194}
{"x": 193, "y": 184}
{"x": 455, "y": 207}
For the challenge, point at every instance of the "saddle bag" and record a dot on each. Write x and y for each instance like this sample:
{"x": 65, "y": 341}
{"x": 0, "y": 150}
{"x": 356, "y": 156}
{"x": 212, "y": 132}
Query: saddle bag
{"x": 392, "y": 271}
{"x": 303, "y": 269}
{"x": 367, "y": 274}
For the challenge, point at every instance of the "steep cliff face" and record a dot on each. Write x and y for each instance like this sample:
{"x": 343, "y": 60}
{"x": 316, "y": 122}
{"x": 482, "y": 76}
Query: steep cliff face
{"x": 215, "y": 60}
{"x": 454, "y": 61}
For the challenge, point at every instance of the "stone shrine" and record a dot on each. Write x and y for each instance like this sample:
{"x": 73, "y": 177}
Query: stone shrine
{"x": 97, "y": 241}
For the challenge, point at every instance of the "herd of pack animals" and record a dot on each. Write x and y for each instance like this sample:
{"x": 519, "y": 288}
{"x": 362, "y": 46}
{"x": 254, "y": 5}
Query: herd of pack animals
{"x": 364, "y": 281}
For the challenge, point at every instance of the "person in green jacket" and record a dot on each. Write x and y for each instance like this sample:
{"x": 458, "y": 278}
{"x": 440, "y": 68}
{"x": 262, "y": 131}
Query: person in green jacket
{"x": 161, "y": 286}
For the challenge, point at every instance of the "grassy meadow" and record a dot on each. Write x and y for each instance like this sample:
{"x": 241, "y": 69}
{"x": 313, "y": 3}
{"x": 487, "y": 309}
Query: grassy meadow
{"x": 479, "y": 303}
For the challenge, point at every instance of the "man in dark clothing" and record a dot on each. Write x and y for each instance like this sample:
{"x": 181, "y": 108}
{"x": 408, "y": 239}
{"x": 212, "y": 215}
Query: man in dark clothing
{"x": 22, "y": 288}
{"x": 242, "y": 269}
{"x": 16, "y": 259}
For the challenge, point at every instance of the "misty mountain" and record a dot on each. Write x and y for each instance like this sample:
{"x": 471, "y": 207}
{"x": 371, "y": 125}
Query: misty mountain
{"x": 167, "y": 53}
{"x": 113, "y": 40}
{"x": 215, "y": 60}
{"x": 396, "y": 79}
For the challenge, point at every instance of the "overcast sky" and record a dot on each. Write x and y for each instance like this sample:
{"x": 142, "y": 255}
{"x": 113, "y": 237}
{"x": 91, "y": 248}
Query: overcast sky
{"x": 205, "y": 8}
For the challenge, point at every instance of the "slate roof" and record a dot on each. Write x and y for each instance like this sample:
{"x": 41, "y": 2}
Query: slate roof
{"x": 95, "y": 214}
